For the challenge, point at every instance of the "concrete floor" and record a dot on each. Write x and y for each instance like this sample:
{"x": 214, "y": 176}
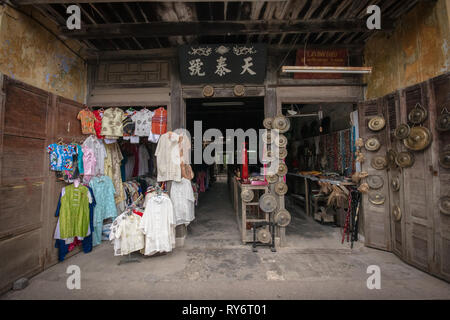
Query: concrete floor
{"x": 214, "y": 264}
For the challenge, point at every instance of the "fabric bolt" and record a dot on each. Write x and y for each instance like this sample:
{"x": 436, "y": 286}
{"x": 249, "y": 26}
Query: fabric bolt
{"x": 74, "y": 216}
{"x": 112, "y": 127}
{"x": 143, "y": 122}
{"x": 103, "y": 189}
{"x": 182, "y": 197}
{"x": 112, "y": 169}
{"x": 61, "y": 156}
{"x": 131, "y": 237}
{"x": 168, "y": 157}
{"x": 87, "y": 121}
{"x": 158, "y": 225}
{"x": 159, "y": 121}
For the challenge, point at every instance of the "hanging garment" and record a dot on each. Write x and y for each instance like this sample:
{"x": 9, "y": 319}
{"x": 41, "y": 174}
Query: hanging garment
{"x": 128, "y": 125}
{"x": 103, "y": 189}
{"x": 201, "y": 180}
{"x": 98, "y": 147}
{"x": 61, "y": 156}
{"x": 112, "y": 169}
{"x": 144, "y": 157}
{"x": 98, "y": 123}
{"x": 143, "y": 122}
{"x": 89, "y": 161}
{"x": 80, "y": 159}
{"x": 182, "y": 197}
{"x": 112, "y": 127}
{"x": 168, "y": 158}
{"x": 158, "y": 225}
{"x": 86, "y": 243}
{"x": 87, "y": 121}
{"x": 74, "y": 215}
{"x": 131, "y": 237}
{"x": 159, "y": 121}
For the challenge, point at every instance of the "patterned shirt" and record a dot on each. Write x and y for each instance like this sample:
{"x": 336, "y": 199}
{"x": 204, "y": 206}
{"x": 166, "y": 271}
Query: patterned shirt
{"x": 112, "y": 127}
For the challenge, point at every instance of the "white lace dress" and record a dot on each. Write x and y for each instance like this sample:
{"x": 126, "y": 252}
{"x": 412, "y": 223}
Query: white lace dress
{"x": 183, "y": 200}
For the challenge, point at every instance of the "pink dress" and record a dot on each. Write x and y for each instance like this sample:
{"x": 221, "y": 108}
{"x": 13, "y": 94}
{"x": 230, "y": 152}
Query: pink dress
{"x": 88, "y": 163}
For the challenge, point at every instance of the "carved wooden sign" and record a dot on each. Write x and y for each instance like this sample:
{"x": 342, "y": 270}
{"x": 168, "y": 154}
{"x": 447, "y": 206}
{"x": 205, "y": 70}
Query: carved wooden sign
{"x": 222, "y": 63}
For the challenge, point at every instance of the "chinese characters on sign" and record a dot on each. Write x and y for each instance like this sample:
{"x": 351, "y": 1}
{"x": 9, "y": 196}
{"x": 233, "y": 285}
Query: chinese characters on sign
{"x": 230, "y": 63}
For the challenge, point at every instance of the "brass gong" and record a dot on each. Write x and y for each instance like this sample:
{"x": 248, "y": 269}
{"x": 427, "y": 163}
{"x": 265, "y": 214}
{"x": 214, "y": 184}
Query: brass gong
{"x": 405, "y": 159}
{"x": 281, "y": 142}
{"x": 379, "y": 163}
{"x": 418, "y": 114}
{"x": 443, "y": 122}
{"x": 419, "y": 139}
{"x": 444, "y": 158}
{"x": 281, "y": 123}
{"x": 395, "y": 184}
{"x": 397, "y": 213}
{"x": 444, "y": 205}
{"x": 281, "y": 188}
{"x": 268, "y": 202}
{"x": 263, "y": 236}
{"x": 283, "y": 153}
{"x": 247, "y": 195}
{"x": 282, "y": 169}
{"x": 376, "y": 198}
{"x": 390, "y": 156}
{"x": 282, "y": 218}
{"x": 376, "y": 123}
{"x": 266, "y": 137}
{"x": 372, "y": 144}
{"x": 375, "y": 182}
{"x": 267, "y": 123}
{"x": 402, "y": 131}
{"x": 272, "y": 178}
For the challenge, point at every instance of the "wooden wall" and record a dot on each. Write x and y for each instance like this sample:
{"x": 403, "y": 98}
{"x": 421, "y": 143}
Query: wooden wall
{"x": 30, "y": 120}
{"x": 422, "y": 236}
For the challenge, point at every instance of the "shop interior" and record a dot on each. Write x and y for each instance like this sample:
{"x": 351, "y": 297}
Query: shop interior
{"x": 321, "y": 162}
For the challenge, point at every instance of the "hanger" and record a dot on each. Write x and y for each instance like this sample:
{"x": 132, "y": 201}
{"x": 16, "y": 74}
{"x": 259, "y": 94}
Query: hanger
{"x": 60, "y": 141}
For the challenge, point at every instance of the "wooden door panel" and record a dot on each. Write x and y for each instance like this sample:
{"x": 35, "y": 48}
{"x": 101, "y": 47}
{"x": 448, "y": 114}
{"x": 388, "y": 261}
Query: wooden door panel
{"x": 25, "y": 110}
{"x": 20, "y": 207}
{"x": 377, "y": 232}
{"x": 440, "y": 96}
{"x": 23, "y": 157}
{"x": 68, "y": 124}
{"x": 20, "y": 258}
{"x": 418, "y": 193}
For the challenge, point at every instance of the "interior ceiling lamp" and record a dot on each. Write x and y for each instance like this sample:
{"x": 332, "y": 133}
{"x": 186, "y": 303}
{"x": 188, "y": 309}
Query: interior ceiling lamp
{"x": 308, "y": 69}
{"x": 294, "y": 112}
{"x": 223, "y": 104}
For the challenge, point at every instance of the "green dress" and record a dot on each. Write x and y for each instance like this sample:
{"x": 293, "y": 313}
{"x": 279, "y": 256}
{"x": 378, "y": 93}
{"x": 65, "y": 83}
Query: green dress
{"x": 74, "y": 215}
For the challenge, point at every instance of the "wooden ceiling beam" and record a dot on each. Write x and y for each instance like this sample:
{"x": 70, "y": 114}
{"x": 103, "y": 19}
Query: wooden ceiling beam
{"x": 28, "y": 2}
{"x": 185, "y": 28}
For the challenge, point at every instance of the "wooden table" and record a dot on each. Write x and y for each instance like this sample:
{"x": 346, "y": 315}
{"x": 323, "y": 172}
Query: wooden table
{"x": 242, "y": 218}
{"x": 315, "y": 178}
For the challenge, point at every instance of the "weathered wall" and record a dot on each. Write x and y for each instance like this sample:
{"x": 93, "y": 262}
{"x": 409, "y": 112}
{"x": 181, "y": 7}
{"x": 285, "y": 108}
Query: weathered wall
{"x": 416, "y": 51}
{"x": 30, "y": 53}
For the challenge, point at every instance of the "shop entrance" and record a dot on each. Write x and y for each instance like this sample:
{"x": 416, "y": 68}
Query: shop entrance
{"x": 321, "y": 163}
{"x": 215, "y": 210}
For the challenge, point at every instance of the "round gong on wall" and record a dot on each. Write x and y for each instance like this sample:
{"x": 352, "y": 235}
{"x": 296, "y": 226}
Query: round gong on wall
{"x": 419, "y": 139}
{"x": 263, "y": 236}
{"x": 376, "y": 123}
{"x": 282, "y": 218}
{"x": 281, "y": 188}
{"x": 375, "y": 181}
{"x": 379, "y": 163}
{"x": 405, "y": 159}
{"x": 268, "y": 202}
{"x": 208, "y": 91}
{"x": 402, "y": 131}
{"x": 397, "y": 213}
{"x": 418, "y": 114}
{"x": 372, "y": 144}
{"x": 247, "y": 195}
{"x": 267, "y": 123}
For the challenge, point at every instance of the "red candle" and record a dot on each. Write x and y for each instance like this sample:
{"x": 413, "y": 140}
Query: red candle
{"x": 244, "y": 163}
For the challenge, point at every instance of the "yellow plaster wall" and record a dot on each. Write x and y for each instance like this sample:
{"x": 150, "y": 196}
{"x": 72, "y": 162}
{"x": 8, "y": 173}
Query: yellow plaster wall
{"x": 30, "y": 53}
{"x": 417, "y": 50}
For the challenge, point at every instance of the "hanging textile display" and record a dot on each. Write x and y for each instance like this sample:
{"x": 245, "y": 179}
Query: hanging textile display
{"x": 158, "y": 224}
{"x": 87, "y": 119}
{"x": 126, "y": 234}
{"x": 98, "y": 148}
{"x": 159, "y": 121}
{"x": 112, "y": 169}
{"x": 183, "y": 200}
{"x": 112, "y": 123}
{"x": 98, "y": 122}
{"x": 105, "y": 208}
{"x": 168, "y": 157}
